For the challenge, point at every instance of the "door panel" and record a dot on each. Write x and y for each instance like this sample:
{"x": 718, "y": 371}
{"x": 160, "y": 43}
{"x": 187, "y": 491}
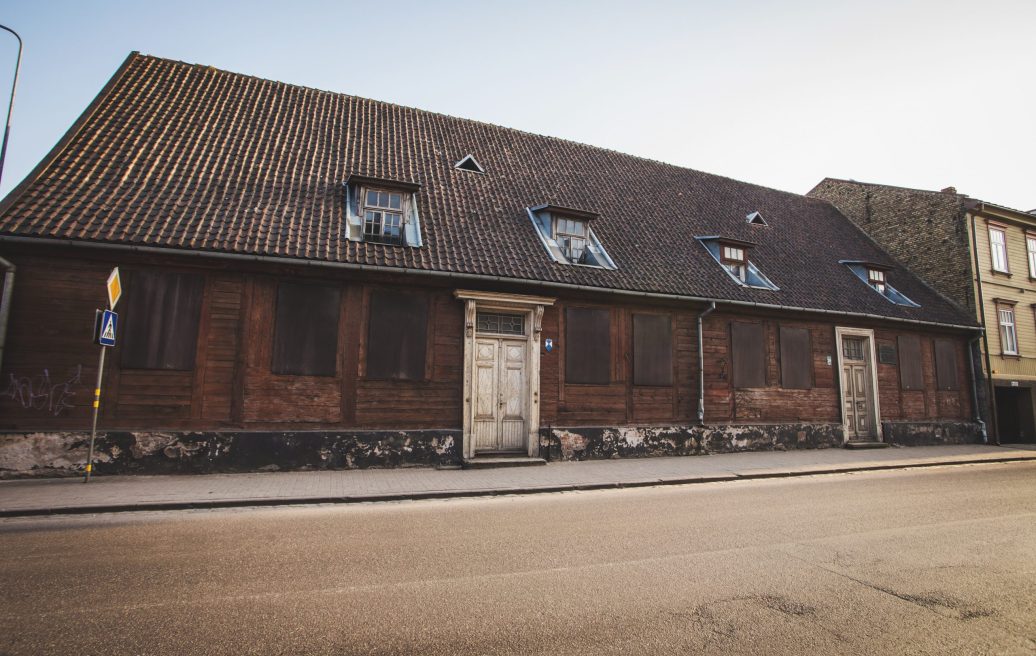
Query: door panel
{"x": 484, "y": 427}
{"x": 857, "y": 393}
{"x": 512, "y": 396}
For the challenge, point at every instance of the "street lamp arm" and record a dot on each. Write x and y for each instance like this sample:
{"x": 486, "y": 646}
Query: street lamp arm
{"x": 10, "y": 104}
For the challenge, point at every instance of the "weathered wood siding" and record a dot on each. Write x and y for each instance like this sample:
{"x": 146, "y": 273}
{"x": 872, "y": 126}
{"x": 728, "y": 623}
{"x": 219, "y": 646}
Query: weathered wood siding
{"x": 49, "y": 364}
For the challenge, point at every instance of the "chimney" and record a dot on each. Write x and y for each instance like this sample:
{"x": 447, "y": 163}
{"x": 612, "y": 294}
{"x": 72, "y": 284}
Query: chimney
{"x": 948, "y": 190}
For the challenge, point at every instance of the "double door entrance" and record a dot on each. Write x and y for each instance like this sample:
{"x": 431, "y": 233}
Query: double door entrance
{"x": 859, "y": 399}
{"x": 500, "y": 382}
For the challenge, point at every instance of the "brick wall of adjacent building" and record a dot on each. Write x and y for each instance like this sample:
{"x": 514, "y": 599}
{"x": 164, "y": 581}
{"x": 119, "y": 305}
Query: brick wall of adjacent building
{"x": 924, "y": 230}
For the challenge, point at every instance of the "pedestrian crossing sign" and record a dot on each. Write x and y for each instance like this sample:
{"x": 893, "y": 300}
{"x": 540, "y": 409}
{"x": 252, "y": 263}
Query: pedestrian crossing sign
{"x": 106, "y": 328}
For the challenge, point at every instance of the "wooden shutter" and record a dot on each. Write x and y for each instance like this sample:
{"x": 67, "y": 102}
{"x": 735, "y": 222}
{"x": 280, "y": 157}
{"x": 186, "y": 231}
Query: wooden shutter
{"x": 652, "y": 350}
{"x": 160, "y": 324}
{"x": 397, "y": 335}
{"x": 587, "y": 345}
{"x": 305, "y": 333}
{"x": 910, "y": 375}
{"x": 748, "y": 352}
{"x": 796, "y": 359}
{"x": 946, "y": 364}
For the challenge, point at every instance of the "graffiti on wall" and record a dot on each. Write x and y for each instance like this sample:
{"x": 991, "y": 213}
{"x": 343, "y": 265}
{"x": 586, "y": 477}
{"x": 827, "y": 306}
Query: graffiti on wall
{"x": 43, "y": 394}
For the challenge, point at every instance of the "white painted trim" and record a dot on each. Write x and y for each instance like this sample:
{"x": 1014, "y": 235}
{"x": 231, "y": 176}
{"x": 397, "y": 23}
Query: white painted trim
{"x": 872, "y": 365}
{"x": 532, "y": 307}
{"x": 481, "y": 169}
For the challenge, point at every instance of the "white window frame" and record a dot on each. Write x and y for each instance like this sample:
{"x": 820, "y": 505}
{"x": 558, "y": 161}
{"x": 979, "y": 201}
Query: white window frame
{"x": 1030, "y": 247}
{"x": 385, "y": 211}
{"x": 876, "y": 279}
{"x": 998, "y": 249}
{"x": 734, "y": 260}
{"x": 1008, "y": 329}
{"x": 564, "y": 238}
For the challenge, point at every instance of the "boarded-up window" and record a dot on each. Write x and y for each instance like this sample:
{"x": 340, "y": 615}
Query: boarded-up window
{"x": 587, "y": 345}
{"x": 652, "y": 350}
{"x": 910, "y": 374}
{"x": 748, "y": 353}
{"x": 946, "y": 364}
{"x": 305, "y": 333}
{"x": 796, "y": 359}
{"x": 397, "y": 335}
{"x": 160, "y": 324}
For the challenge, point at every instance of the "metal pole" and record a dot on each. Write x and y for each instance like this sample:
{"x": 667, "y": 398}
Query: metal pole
{"x": 10, "y": 105}
{"x": 97, "y": 405}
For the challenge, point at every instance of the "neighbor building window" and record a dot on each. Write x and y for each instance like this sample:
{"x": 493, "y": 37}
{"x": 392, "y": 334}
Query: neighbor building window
{"x": 998, "y": 249}
{"x": 1008, "y": 334}
{"x": 1030, "y": 246}
{"x": 568, "y": 237}
{"x": 732, "y": 255}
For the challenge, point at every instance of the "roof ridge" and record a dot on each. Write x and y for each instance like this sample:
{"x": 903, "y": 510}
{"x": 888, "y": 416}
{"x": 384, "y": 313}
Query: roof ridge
{"x": 472, "y": 121}
{"x": 888, "y": 186}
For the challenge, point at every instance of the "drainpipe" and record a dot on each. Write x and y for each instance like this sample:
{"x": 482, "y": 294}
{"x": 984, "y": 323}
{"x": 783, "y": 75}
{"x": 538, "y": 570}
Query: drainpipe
{"x": 701, "y": 366}
{"x": 5, "y": 303}
{"x": 972, "y": 346}
{"x": 985, "y": 333}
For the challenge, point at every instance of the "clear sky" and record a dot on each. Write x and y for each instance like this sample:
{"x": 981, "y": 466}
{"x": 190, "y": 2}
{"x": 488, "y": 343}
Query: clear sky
{"x": 922, "y": 94}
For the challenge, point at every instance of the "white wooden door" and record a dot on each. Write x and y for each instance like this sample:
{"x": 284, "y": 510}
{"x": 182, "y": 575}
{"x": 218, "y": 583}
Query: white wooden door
{"x": 856, "y": 395}
{"x": 499, "y": 382}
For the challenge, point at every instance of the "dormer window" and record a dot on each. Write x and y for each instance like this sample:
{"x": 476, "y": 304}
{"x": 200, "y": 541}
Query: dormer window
{"x": 875, "y": 275}
{"x": 568, "y": 237}
{"x": 382, "y": 211}
{"x": 755, "y": 218}
{"x": 732, "y": 255}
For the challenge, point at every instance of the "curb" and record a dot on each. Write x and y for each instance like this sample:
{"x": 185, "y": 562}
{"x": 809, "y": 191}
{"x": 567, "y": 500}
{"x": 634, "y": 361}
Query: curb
{"x": 484, "y": 492}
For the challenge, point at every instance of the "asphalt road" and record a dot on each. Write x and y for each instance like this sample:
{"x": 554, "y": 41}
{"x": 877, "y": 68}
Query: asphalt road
{"x": 937, "y": 561}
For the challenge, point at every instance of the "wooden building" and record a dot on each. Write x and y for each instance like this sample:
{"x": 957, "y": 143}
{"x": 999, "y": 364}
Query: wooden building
{"x": 318, "y": 280}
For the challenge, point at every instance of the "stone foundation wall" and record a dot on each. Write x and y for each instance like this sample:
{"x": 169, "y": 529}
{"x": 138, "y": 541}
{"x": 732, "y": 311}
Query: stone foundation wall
{"x": 919, "y": 433}
{"x": 589, "y": 443}
{"x": 120, "y": 452}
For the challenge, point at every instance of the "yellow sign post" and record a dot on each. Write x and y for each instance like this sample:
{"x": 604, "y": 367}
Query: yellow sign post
{"x": 114, "y": 286}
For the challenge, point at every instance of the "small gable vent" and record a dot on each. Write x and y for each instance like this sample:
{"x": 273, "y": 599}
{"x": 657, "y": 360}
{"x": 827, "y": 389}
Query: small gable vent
{"x": 469, "y": 164}
{"x": 755, "y": 218}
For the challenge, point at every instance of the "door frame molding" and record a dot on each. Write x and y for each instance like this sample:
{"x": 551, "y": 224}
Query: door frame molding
{"x": 532, "y": 308}
{"x": 872, "y": 380}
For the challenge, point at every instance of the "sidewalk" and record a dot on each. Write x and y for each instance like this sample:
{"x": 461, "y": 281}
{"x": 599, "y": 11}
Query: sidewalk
{"x": 134, "y": 493}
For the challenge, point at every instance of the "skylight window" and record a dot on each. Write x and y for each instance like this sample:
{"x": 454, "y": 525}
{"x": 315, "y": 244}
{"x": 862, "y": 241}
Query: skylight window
{"x": 732, "y": 255}
{"x": 568, "y": 237}
{"x": 382, "y": 212}
{"x": 875, "y": 276}
{"x": 469, "y": 164}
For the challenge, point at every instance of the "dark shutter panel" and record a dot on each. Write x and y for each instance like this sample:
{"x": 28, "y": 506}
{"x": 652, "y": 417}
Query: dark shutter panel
{"x": 160, "y": 323}
{"x": 946, "y": 364}
{"x": 652, "y": 350}
{"x": 397, "y": 335}
{"x": 910, "y": 375}
{"x": 748, "y": 352}
{"x": 587, "y": 345}
{"x": 305, "y": 333}
{"x": 796, "y": 359}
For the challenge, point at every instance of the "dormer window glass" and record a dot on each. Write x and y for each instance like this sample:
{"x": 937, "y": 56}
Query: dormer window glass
{"x": 876, "y": 279}
{"x": 732, "y": 255}
{"x": 571, "y": 237}
{"x": 383, "y": 216}
{"x": 733, "y": 260}
{"x": 568, "y": 237}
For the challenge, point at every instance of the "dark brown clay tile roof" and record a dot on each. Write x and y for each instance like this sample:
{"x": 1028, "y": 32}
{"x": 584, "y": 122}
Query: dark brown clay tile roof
{"x": 189, "y": 157}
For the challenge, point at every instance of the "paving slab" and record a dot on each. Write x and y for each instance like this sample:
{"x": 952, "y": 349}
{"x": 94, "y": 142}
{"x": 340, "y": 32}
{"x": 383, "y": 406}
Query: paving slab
{"x": 135, "y": 493}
